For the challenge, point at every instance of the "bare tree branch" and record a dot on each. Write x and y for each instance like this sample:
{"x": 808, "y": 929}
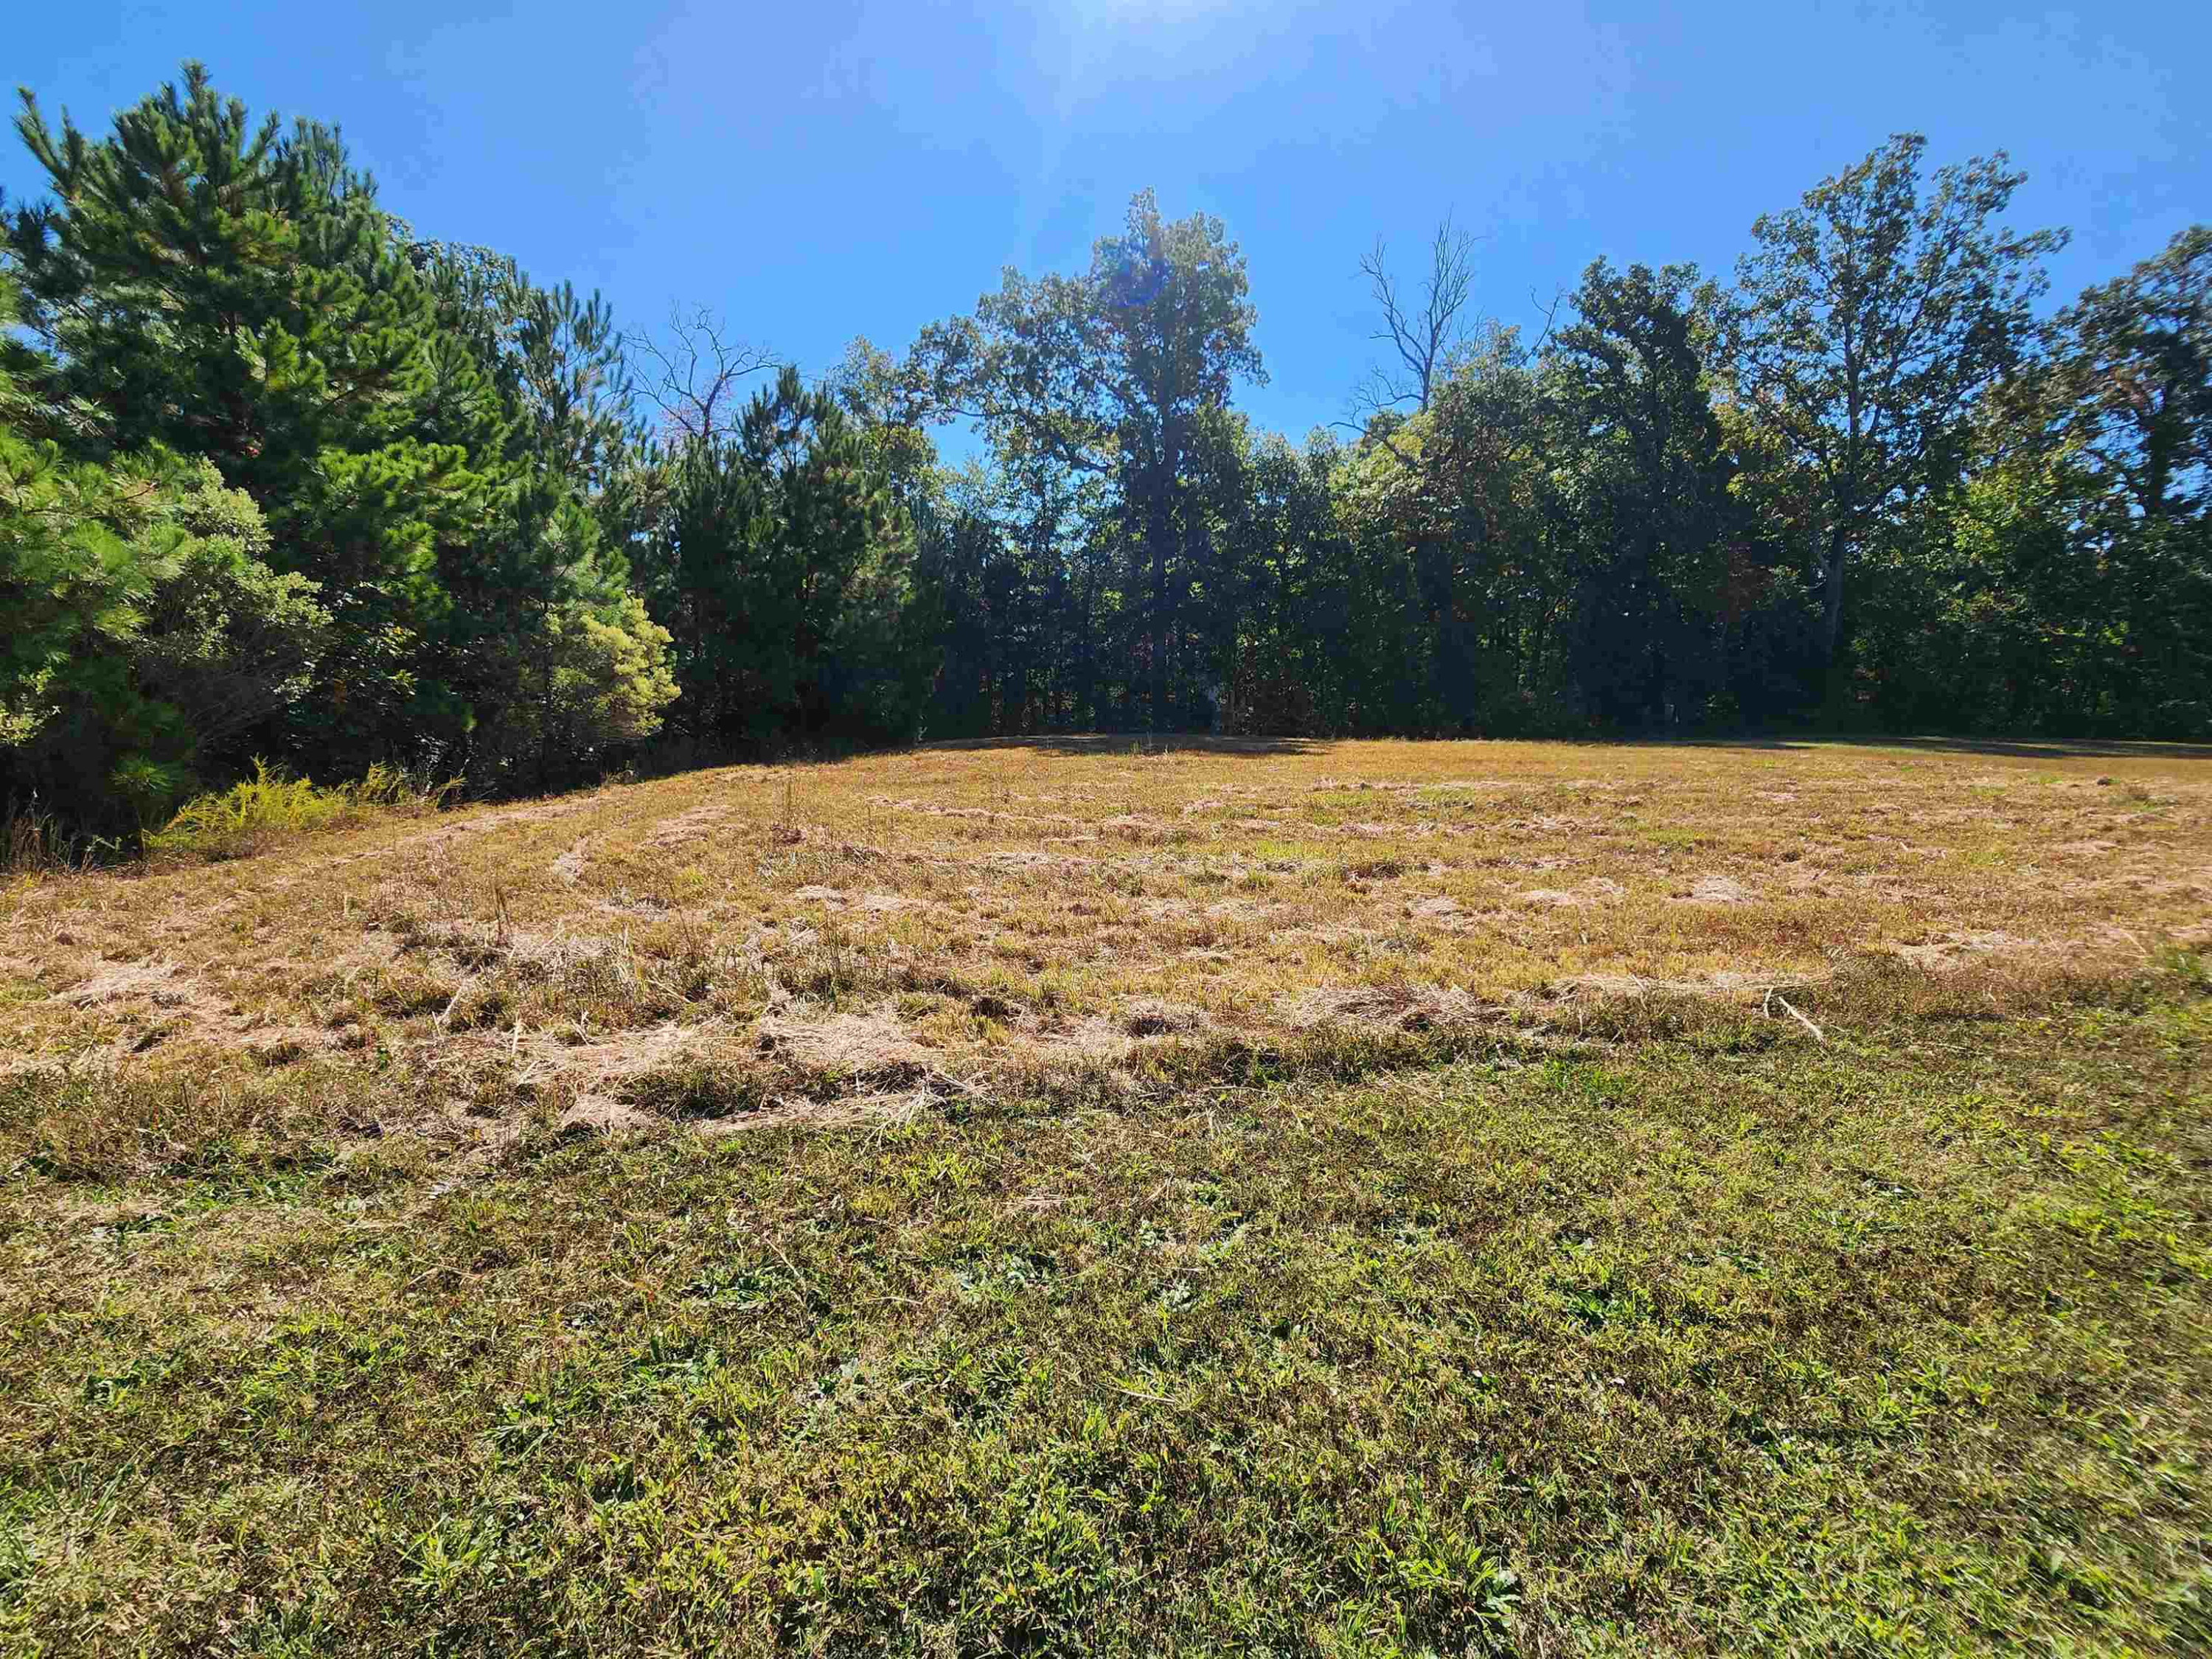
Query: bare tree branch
{"x": 1551, "y": 311}
{"x": 1422, "y": 337}
{"x": 692, "y": 374}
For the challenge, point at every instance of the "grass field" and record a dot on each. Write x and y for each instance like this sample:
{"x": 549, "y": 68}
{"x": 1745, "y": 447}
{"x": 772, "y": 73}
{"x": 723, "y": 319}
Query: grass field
{"x": 1352, "y": 1199}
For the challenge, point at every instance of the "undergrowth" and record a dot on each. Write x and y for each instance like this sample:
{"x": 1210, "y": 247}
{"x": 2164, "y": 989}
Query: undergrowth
{"x": 35, "y": 842}
{"x": 271, "y": 807}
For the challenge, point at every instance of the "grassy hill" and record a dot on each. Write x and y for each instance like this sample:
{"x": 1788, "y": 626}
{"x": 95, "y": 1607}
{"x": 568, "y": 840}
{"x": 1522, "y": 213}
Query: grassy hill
{"x": 1357, "y": 1198}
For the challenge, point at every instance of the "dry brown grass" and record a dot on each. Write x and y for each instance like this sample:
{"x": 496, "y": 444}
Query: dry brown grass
{"x": 934, "y": 918}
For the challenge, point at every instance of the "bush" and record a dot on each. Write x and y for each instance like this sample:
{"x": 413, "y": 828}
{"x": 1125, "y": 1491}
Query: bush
{"x": 271, "y": 807}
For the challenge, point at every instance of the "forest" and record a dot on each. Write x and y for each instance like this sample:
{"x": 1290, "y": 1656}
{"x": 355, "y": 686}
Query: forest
{"x": 282, "y": 480}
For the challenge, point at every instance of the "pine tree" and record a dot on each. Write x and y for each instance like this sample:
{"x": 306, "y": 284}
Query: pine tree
{"x": 145, "y": 630}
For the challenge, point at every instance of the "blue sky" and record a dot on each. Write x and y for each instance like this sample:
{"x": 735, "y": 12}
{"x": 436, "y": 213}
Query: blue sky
{"x": 836, "y": 167}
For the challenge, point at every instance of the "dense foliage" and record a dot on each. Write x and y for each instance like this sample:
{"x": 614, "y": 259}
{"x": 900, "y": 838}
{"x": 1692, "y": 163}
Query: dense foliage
{"x": 280, "y": 479}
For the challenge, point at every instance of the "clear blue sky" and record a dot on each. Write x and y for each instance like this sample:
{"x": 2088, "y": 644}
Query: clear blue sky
{"x": 835, "y": 168}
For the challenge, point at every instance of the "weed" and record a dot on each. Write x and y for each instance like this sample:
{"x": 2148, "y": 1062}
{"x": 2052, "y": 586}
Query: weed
{"x": 33, "y": 842}
{"x": 271, "y": 807}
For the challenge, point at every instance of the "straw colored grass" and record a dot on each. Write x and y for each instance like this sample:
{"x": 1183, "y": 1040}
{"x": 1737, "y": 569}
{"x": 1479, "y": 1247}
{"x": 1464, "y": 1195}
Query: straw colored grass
{"x": 984, "y": 911}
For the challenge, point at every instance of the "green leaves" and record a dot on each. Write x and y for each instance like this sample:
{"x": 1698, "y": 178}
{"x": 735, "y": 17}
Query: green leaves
{"x": 783, "y": 568}
{"x": 1870, "y": 321}
{"x": 421, "y": 428}
{"x": 143, "y": 624}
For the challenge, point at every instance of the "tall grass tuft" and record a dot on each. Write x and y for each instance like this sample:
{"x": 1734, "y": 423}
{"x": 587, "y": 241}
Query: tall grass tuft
{"x": 33, "y": 842}
{"x": 271, "y": 807}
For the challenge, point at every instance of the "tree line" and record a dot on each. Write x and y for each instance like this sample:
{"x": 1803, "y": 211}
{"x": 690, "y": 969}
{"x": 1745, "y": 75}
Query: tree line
{"x": 281, "y": 478}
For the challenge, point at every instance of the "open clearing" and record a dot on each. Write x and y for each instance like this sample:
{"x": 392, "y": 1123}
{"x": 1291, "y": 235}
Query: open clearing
{"x": 1279, "y": 1198}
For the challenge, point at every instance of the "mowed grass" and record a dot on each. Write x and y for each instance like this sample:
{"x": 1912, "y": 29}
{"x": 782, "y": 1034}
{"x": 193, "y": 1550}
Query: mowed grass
{"x": 1813, "y": 1269}
{"x": 950, "y": 917}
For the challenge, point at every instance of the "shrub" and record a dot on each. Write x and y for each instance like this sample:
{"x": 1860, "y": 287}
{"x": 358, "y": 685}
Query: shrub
{"x": 271, "y": 807}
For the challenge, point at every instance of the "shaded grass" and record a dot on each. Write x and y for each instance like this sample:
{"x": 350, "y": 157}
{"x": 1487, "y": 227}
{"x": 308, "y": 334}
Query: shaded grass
{"x": 1709, "y": 1339}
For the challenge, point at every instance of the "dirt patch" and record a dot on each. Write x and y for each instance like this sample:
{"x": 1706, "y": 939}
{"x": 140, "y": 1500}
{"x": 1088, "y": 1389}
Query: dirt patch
{"x": 570, "y": 867}
{"x": 599, "y": 1071}
{"x": 2091, "y": 848}
{"x": 1150, "y": 1018}
{"x": 684, "y": 828}
{"x": 617, "y": 1085}
{"x": 479, "y": 944}
{"x": 466, "y": 824}
{"x": 1728, "y": 984}
{"x": 1716, "y": 890}
{"x": 1598, "y": 890}
{"x": 1025, "y": 858}
{"x": 849, "y": 1044}
{"x": 155, "y": 982}
{"x": 1398, "y": 1007}
{"x": 155, "y": 1002}
{"x": 599, "y": 1113}
{"x": 1957, "y": 949}
{"x": 1134, "y": 826}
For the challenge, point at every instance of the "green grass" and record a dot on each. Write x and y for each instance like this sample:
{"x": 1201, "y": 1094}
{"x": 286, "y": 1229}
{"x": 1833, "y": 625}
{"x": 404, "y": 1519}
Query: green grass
{"x": 1706, "y": 1338}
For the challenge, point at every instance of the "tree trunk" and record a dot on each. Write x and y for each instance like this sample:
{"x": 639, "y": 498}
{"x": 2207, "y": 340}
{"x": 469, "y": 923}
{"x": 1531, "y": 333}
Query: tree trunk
{"x": 1832, "y": 615}
{"x": 1831, "y": 606}
{"x": 1157, "y": 533}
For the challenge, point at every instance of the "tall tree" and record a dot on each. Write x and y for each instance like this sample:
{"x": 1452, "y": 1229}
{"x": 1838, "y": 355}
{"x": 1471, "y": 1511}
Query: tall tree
{"x": 1444, "y": 509}
{"x": 226, "y": 290}
{"x": 1108, "y": 374}
{"x": 144, "y": 630}
{"x": 1422, "y": 335}
{"x": 1173, "y": 297}
{"x": 694, "y": 373}
{"x": 2134, "y": 370}
{"x": 421, "y": 428}
{"x": 1638, "y": 431}
{"x": 1868, "y": 322}
{"x": 2131, "y": 385}
{"x": 783, "y": 567}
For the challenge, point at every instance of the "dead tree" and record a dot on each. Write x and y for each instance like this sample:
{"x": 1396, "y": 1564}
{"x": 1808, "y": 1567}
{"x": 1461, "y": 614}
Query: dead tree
{"x": 693, "y": 375}
{"x": 1421, "y": 336}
